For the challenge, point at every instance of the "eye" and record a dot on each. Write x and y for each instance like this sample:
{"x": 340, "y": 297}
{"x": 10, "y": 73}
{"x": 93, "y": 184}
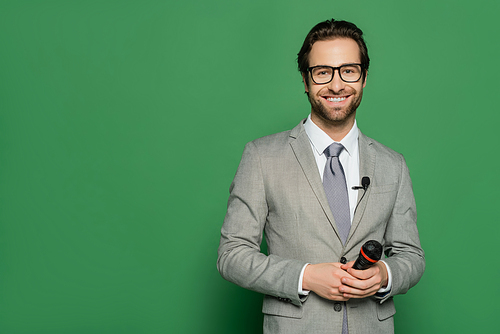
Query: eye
{"x": 351, "y": 69}
{"x": 322, "y": 71}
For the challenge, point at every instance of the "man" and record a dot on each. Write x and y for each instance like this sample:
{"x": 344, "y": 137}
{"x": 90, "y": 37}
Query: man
{"x": 302, "y": 187}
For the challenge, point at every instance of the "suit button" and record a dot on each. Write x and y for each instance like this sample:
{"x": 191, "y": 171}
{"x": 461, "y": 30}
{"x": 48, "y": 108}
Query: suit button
{"x": 343, "y": 260}
{"x": 337, "y": 307}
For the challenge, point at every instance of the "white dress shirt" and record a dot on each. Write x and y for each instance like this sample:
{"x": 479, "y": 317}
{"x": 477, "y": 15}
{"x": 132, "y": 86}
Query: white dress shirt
{"x": 349, "y": 158}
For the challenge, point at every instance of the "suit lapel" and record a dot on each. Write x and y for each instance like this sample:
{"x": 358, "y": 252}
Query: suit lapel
{"x": 302, "y": 149}
{"x": 366, "y": 168}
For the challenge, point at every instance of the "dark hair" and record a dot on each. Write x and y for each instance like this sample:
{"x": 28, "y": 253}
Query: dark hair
{"x": 329, "y": 30}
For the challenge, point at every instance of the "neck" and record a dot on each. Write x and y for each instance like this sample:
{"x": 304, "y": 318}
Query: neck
{"x": 336, "y": 130}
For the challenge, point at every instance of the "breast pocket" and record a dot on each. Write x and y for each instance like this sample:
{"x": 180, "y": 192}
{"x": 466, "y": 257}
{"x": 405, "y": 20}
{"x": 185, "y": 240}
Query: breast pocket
{"x": 381, "y": 200}
{"x": 385, "y": 188}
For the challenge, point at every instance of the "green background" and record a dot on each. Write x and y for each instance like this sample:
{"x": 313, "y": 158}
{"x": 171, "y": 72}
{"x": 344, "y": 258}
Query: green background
{"x": 122, "y": 124}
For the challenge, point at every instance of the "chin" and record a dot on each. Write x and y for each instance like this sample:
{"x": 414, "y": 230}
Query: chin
{"x": 333, "y": 115}
{"x": 337, "y": 115}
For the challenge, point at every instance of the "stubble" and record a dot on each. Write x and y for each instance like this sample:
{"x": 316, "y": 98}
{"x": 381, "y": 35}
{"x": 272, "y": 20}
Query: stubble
{"x": 334, "y": 115}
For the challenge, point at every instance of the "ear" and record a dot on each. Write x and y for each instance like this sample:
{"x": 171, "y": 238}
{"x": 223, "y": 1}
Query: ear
{"x": 304, "y": 80}
{"x": 364, "y": 79}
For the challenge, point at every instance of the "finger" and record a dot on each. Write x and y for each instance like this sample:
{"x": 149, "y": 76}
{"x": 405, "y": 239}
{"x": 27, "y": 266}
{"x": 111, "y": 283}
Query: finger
{"x": 334, "y": 294}
{"x": 352, "y": 296}
{"x": 363, "y": 274}
{"x": 347, "y": 265}
{"x": 358, "y": 284}
{"x": 341, "y": 298}
{"x": 350, "y": 292}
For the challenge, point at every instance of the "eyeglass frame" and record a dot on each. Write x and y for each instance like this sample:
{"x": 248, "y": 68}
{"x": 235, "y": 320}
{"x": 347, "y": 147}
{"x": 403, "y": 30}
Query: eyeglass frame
{"x": 333, "y": 72}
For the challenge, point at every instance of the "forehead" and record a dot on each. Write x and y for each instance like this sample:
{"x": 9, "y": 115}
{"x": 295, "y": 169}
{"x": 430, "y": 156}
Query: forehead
{"x": 334, "y": 52}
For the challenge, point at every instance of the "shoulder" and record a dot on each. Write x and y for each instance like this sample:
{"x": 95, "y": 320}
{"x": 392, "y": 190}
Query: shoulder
{"x": 381, "y": 151}
{"x": 277, "y": 143}
{"x": 275, "y": 140}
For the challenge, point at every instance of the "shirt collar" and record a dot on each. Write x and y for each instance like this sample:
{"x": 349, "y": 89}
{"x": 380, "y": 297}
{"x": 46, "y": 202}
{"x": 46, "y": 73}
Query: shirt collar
{"x": 320, "y": 140}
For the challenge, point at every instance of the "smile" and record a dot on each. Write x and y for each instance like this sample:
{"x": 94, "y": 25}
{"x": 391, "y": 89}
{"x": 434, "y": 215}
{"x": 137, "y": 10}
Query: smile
{"x": 336, "y": 99}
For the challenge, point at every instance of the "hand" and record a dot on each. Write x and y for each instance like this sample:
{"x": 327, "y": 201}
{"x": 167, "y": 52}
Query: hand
{"x": 364, "y": 282}
{"x": 325, "y": 279}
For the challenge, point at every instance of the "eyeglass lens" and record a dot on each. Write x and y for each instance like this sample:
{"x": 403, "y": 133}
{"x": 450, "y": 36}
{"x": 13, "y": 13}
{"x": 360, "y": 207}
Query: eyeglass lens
{"x": 324, "y": 74}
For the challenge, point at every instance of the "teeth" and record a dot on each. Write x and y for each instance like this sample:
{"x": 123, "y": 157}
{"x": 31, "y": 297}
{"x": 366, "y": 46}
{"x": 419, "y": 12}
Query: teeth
{"x": 336, "y": 99}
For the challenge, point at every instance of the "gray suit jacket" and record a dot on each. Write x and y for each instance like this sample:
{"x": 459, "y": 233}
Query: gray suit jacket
{"x": 278, "y": 192}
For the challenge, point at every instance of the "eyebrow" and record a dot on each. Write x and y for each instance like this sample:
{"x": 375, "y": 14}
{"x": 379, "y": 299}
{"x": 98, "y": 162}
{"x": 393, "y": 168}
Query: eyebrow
{"x": 336, "y": 66}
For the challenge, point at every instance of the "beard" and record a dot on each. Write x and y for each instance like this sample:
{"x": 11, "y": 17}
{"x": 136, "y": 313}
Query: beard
{"x": 335, "y": 114}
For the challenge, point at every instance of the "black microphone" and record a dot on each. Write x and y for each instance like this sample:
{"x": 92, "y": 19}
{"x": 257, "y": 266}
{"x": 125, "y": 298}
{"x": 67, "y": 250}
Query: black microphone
{"x": 369, "y": 254}
{"x": 365, "y": 182}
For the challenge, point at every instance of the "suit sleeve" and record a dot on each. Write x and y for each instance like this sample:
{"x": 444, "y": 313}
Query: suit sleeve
{"x": 239, "y": 258}
{"x": 405, "y": 256}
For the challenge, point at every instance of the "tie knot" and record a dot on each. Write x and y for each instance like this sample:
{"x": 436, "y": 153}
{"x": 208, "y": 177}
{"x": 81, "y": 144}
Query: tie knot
{"x": 333, "y": 150}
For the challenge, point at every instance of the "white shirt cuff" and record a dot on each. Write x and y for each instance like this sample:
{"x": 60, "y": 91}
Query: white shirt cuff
{"x": 302, "y": 292}
{"x": 389, "y": 280}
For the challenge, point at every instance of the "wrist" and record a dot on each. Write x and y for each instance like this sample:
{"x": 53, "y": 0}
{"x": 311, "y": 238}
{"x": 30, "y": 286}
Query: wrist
{"x": 305, "y": 278}
{"x": 385, "y": 278}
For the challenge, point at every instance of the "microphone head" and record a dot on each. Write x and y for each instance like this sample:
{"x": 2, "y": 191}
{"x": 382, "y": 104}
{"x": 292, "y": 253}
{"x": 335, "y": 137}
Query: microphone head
{"x": 372, "y": 250}
{"x": 365, "y": 182}
{"x": 369, "y": 254}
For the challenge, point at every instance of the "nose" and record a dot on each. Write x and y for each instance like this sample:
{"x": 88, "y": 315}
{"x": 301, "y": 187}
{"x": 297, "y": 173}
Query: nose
{"x": 336, "y": 84}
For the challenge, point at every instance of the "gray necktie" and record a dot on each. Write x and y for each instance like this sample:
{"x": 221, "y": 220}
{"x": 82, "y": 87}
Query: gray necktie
{"x": 338, "y": 199}
{"x": 336, "y": 190}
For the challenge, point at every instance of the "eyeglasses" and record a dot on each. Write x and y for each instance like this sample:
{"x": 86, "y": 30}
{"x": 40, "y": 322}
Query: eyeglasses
{"x": 323, "y": 74}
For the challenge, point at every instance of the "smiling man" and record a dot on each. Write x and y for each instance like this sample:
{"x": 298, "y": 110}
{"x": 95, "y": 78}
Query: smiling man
{"x": 334, "y": 99}
{"x": 302, "y": 189}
